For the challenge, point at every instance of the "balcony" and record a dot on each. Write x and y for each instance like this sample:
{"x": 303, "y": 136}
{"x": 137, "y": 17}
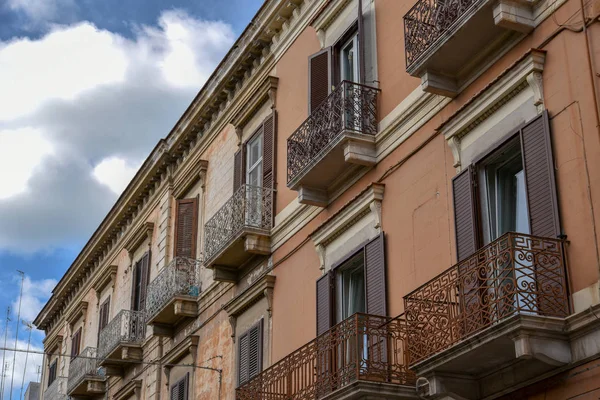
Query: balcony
{"x": 120, "y": 342}
{"x": 361, "y": 357}
{"x": 172, "y": 295}
{"x": 446, "y": 42}
{"x": 502, "y": 307}
{"x": 240, "y": 229}
{"x": 57, "y": 390}
{"x": 334, "y": 141}
{"x": 86, "y": 378}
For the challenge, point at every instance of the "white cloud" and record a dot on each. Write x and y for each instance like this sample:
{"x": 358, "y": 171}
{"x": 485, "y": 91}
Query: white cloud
{"x": 21, "y": 150}
{"x": 62, "y": 64}
{"x": 35, "y": 295}
{"x": 41, "y": 11}
{"x": 25, "y": 364}
{"x": 93, "y": 104}
{"x": 115, "y": 173}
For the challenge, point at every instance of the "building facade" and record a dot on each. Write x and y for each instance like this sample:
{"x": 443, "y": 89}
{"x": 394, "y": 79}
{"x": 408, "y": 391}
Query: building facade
{"x": 367, "y": 199}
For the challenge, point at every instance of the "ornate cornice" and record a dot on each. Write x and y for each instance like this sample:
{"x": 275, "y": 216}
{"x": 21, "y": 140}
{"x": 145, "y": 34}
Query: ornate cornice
{"x": 265, "y": 92}
{"x": 52, "y": 343}
{"x": 105, "y": 277}
{"x": 190, "y": 174}
{"x": 189, "y": 345}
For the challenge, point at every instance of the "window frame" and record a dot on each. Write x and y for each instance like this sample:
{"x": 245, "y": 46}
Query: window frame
{"x": 257, "y": 139}
{"x": 52, "y": 369}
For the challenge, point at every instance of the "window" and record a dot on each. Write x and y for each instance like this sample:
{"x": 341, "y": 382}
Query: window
{"x": 250, "y": 353}
{"x": 502, "y": 192}
{"x": 52, "y": 372}
{"x": 350, "y": 286}
{"x": 254, "y": 156}
{"x": 180, "y": 390}
{"x": 141, "y": 272}
{"x": 75, "y": 343}
{"x": 356, "y": 285}
{"x": 510, "y": 189}
{"x": 348, "y": 57}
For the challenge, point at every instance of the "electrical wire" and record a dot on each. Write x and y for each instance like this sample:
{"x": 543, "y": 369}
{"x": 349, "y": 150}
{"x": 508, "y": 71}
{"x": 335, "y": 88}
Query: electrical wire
{"x": 169, "y": 365}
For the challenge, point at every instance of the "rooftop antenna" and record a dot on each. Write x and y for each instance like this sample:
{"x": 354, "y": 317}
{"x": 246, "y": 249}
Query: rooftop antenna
{"x": 30, "y": 328}
{"x": 12, "y": 378}
{"x": 4, "y": 352}
{"x": 39, "y": 374}
{"x": 4, "y": 375}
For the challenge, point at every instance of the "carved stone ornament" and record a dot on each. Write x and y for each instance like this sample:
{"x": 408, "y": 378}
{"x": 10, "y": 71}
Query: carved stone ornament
{"x": 534, "y": 80}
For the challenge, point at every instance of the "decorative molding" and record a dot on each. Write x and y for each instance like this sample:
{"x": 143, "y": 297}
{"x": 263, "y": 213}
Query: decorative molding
{"x": 189, "y": 345}
{"x": 107, "y": 276}
{"x": 495, "y": 95}
{"x": 263, "y": 287}
{"x": 78, "y": 312}
{"x": 454, "y": 143}
{"x": 348, "y": 215}
{"x": 328, "y": 14}
{"x": 534, "y": 80}
{"x": 322, "y": 253}
{"x": 53, "y": 343}
{"x": 141, "y": 234}
{"x": 185, "y": 179}
{"x": 265, "y": 92}
{"x": 132, "y": 388}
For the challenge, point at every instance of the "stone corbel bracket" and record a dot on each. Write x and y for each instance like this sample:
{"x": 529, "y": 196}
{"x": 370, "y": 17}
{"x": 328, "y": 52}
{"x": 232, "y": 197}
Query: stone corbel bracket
{"x": 189, "y": 345}
{"x": 265, "y": 92}
{"x": 524, "y": 73}
{"x": 133, "y": 389}
{"x": 105, "y": 277}
{"x": 263, "y": 287}
{"x": 78, "y": 312}
{"x": 367, "y": 202}
{"x": 193, "y": 173}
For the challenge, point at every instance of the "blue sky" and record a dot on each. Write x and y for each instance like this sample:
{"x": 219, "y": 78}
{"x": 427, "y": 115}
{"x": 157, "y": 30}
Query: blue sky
{"x": 87, "y": 88}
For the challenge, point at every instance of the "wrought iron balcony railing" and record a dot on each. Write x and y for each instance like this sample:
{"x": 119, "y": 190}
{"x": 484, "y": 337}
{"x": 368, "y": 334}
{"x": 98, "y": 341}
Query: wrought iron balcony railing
{"x": 126, "y": 327}
{"x": 250, "y": 207}
{"x": 362, "y": 347}
{"x": 85, "y": 364}
{"x": 428, "y": 20}
{"x": 180, "y": 277}
{"x": 57, "y": 389}
{"x": 515, "y": 274}
{"x": 350, "y": 107}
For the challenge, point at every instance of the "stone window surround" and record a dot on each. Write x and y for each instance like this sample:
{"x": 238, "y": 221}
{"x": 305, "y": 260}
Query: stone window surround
{"x": 519, "y": 86}
{"x": 131, "y": 390}
{"x": 366, "y": 206}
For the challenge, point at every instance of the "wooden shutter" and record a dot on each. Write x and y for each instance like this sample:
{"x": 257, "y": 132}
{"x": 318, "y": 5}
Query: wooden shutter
{"x": 269, "y": 160}
{"x": 52, "y": 372}
{"x": 465, "y": 220}
{"x": 180, "y": 390}
{"x": 103, "y": 315}
{"x": 319, "y": 72}
{"x": 538, "y": 164}
{"x": 135, "y": 300}
{"x": 186, "y": 228}
{"x": 250, "y": 353}
{"x": 361, "y": 44}
{"x": 243, "y": 358}
{"x": 239, "y": 168}
{"x": 75, "y": 343}
{"x": 376, "y": 293}
{"x": 325, "y": 303}
{"x": 144, "y": 266}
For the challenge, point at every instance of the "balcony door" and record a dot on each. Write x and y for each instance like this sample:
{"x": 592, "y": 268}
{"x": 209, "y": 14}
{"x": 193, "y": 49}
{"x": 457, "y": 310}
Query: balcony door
{"x": 254, "y": 180}
{"x": 348, "y": 56}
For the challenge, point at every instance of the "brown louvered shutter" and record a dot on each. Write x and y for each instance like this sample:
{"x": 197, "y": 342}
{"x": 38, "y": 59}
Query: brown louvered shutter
{"x": 319, "y": 71}
{"x": 52, "y": 372}
{"x": 75, "y": 343}
{"x": 186, "y": 228}
{"x": 324, "y": 303}
{"x": 539, "y": 176}
{"x": 174, "y": 392}
{"x": 269, "y": 143}
{"x": 255, "y": 338}
{"x": 465, "y": 222}
{"x": 104, "y": 315}
{"x": 144, "y": 266}
{"x": 375, "y": 276}
{"x": 135, "y": 284}
{"x": 239, "y": 168}
{"x": 243, "y": 358}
